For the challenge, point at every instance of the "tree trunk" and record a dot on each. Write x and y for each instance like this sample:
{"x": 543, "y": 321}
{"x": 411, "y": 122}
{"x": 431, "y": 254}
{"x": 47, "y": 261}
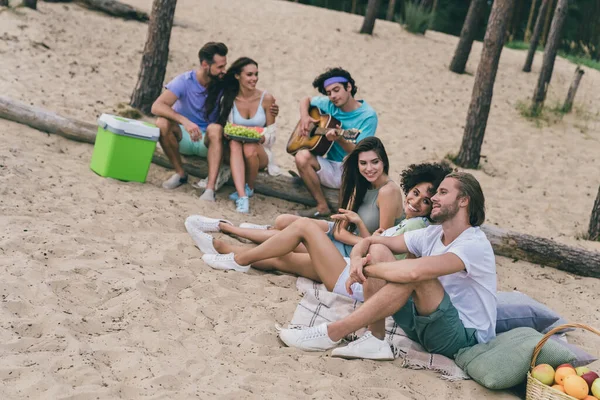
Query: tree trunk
{"x": 594, "y": 230}
{"x": 529, "y": 21}
{"x": 483, "y": 89}
{"x": 467, "y": 35}
{"x": 535, "y": 39}
{"x": 354, "y": 5}
{"x": 573, "y": 90}
{"x": 156, "y": 54}
{"x": 548, "y": 17}
{"x": 370, "y": 17}
{"x": 516, "y": 20}
{"x": 391, "y": 10}
{"x": 30, "y": 4}
{"x": 434, "y": 6}
{"x": 505, "y": 243}
{"x": 539, "y": 95}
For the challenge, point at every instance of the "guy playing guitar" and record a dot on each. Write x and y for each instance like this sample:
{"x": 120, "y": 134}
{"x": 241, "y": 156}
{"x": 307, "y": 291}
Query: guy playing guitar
{"x": 339, "y": 87}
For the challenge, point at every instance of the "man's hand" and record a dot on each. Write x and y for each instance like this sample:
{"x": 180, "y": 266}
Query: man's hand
{"x": 274, "y": 109}
{"x": 306, "y": 123}
{"x": 357, "y": 265}
{"x": 332, "y": 134}
{"x": 347, "y": 215}
{"x": 193, "y": 130}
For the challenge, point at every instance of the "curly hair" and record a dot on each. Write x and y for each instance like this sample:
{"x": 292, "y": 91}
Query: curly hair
{"x": 330, "y": 73}
{"x": 433, "y": 173}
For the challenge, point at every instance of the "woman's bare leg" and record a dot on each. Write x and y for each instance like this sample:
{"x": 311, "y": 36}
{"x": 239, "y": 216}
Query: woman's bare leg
{"x": 236, "y": 161}
{"x": 325, "y": 259}
{"x": 379, "y": 253}
{"x": 260, "y": 235}
{"x": 292, "y": 263}
{"x": 256, "y": 159}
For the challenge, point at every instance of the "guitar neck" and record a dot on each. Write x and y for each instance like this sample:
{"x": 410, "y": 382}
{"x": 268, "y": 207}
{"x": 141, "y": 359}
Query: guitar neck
{"x": 322, "y": 131}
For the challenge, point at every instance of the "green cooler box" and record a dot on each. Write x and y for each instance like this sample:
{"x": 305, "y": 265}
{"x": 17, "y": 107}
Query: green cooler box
{"x": 124, "y": 148}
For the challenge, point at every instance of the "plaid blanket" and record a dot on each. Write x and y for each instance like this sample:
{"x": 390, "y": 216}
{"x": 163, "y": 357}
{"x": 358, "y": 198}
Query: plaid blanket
{"x": 319, "y": 305}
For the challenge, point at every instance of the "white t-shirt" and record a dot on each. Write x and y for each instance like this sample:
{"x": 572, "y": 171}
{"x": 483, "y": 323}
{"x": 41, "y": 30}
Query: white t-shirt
{"x": 473, "y": 290}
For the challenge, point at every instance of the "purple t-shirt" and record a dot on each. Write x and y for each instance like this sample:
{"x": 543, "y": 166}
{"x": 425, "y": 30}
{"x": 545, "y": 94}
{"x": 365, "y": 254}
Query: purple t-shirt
{"x": 191, "y": 96}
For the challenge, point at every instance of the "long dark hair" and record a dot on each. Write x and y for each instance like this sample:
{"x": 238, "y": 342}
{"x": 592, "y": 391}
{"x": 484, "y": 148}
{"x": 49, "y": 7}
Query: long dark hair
{"x": 231, "y": 87}
{"x": 354, "y": 185}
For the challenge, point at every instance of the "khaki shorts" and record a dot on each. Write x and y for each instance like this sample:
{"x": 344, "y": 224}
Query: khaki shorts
{"x": 330, "y": 173}
{"x": 441, "y": 332}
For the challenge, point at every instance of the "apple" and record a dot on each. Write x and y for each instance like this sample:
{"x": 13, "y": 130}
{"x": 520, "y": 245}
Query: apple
{"x": 596, "y": 388}
{"x": 543, "y": 373}
{"x": 582, "y": 370}
{"x": 565, "y": 365}
{"x": 590, "y": 377}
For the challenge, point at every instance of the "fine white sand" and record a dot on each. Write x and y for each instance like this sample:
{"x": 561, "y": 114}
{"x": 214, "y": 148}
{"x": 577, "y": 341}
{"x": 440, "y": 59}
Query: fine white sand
{"x": 104, "y": 294}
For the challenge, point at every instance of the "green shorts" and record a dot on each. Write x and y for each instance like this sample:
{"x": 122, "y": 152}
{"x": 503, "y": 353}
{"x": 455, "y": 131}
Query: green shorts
{"x": 187, "y": 147}
{"x": 441, "y": 332}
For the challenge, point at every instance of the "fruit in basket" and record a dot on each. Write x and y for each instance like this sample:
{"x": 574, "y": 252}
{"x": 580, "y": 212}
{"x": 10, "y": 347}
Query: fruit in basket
{"x": 596, "y": 388}
{"x": 562, "y": 372}
{"x": 543, "y": 373}
{"x": 565, "y": 365}
{"x": 251, "y": 132}
{"x": 582, "y": 370}
{"x": 560, "y": 388}
{"x": 576, "y": 386}
{"x": 590, "y": 377}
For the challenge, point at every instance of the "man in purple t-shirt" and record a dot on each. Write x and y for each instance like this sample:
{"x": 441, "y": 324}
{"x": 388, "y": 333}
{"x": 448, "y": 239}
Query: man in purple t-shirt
{"x": 187, "y": 122}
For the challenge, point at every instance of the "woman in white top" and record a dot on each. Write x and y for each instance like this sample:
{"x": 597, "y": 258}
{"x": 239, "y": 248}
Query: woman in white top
{"x": 244, "y": 104}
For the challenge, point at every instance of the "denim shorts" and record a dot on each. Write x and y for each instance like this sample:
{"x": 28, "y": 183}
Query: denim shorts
{"x": 187, "y": 147}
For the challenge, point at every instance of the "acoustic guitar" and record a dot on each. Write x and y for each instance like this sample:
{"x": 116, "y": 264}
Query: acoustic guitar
{"x": 316, "y": 141}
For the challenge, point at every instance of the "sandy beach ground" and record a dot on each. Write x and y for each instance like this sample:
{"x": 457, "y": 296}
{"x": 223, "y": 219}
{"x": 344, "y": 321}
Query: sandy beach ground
{"x": 103, "y": 293}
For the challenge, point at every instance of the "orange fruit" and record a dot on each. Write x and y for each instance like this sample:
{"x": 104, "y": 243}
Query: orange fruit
{"x": 559, "y": 388}
{"x": 563, "y": 372}
{"x": 576, "y": 386}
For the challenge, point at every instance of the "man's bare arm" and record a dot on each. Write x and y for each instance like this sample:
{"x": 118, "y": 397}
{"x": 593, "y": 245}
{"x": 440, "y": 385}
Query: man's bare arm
{"x": 416, "y": 270}
{"x": 163, "y": 107}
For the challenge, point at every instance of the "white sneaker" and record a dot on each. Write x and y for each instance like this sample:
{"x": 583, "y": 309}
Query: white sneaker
{"x": 224, "y": 262}
{"x": 222, "y": 178}
{"x": 204, "y": 224}
{"x": 248, "y": 225}
{"x": 203, "y": 241}
{"x": 368, "y": 346}
{"x": 309, "y": 339}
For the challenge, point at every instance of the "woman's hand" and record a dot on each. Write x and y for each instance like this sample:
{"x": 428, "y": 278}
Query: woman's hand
{"x": 274, "y": 109}
{"x": 348, "y": 216}
{"x": 262, "y": 139}
{"x": 378, "y": 232}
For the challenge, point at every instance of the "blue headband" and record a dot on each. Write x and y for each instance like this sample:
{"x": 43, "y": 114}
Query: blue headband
{"x": 335, "y": 79}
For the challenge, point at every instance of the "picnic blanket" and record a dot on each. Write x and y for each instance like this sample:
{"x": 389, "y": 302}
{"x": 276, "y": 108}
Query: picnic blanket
{"x": 319, "y": 305}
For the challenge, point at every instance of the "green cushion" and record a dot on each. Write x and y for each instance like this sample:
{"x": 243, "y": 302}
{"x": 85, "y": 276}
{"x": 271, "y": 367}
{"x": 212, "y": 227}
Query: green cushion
{"x": 504, "y": 361}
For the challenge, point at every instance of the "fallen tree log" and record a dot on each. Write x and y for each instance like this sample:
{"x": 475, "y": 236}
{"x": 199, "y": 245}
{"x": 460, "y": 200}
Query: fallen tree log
{"x": 111, "y": 7}
{"x": 281, "y": 186}
{"x": 547, "y": 252}
{"x": 505, "y": 243}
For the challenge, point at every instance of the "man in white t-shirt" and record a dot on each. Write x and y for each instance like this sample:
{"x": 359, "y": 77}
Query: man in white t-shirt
{"x": 443, "y": 295}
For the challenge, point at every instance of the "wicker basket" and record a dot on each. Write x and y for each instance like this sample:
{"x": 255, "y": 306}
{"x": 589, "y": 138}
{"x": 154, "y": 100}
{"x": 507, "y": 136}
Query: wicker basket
{"x": 536, "y": 390}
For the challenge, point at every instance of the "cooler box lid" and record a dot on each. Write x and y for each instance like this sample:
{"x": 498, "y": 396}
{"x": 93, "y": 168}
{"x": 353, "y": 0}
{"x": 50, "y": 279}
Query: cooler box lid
{"x": 129, "y": 127}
